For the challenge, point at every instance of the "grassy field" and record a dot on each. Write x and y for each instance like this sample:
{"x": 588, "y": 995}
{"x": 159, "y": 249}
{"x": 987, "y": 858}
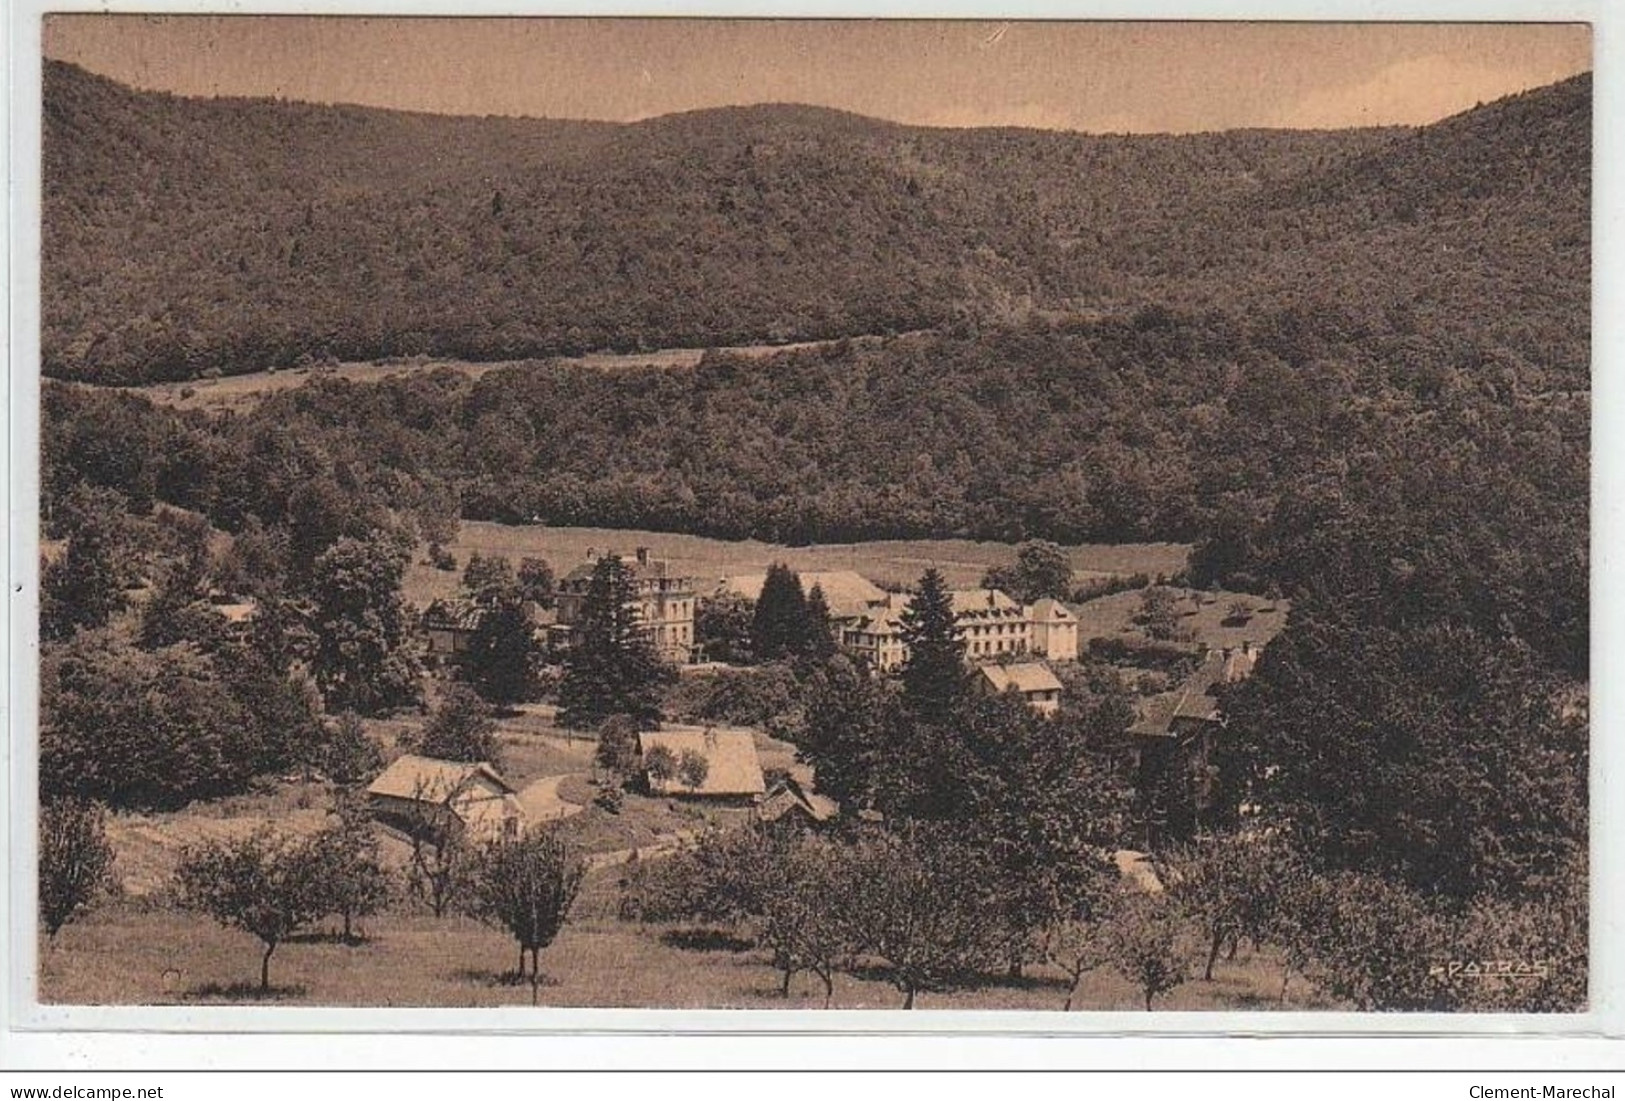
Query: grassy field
{"x": 1202, "y": 614}
{"x": 241, "y": 391}
{"x": 894, "y": 562}
{"x": 127, "y": 953}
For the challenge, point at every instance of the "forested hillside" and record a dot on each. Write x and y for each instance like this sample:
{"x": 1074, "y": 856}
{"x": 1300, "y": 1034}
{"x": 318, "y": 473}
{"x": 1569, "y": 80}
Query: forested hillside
{"x": 251, "y": 233}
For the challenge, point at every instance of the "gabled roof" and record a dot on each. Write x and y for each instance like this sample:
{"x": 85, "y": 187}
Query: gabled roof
{"x": 788, "y": 796}
{"x": 1050, "y": 610}
{"x": 430, "y": 779}
{"x": 733, "y": 768}
{"x": 1027, "y": 676}
{"x": 452, "y": 614}
{"x": 1196, "y": 699}
{"x": 653, "y": 569}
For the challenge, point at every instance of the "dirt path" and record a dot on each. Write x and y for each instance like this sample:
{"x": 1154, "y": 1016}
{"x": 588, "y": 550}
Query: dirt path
{"x": 543, "y": 803}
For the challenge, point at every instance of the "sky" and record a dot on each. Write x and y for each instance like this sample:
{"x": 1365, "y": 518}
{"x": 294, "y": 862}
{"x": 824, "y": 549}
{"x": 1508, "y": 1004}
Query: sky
{"x": 1099, "y": 77}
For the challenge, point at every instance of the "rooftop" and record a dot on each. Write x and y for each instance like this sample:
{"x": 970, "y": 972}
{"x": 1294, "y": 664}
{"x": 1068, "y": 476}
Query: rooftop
{"x": 1027, "y": 676}
{"x": 430, "y": 779}
{"x": 733, "y": 768}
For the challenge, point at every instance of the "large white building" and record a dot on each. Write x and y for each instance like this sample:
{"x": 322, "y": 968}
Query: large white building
{"x": 992, "y": 625}
{"x": 664, "y": 602}
{"x": 1055, "y": 630}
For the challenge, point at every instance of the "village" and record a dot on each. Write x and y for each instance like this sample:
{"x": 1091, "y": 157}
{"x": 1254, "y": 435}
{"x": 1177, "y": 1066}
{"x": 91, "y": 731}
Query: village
{"x": 1009, "y": 647}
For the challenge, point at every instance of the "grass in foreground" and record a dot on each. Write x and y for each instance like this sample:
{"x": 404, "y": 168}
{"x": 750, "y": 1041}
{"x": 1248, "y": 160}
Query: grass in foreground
{"x": 127, "y": 954}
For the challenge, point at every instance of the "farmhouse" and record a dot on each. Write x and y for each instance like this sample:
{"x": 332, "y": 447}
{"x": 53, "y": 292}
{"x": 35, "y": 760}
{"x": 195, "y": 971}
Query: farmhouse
{"x": 449, "y": 623}
{"x": 1037, "y": 685}
{"x": 664, "y": 601}
{"x": 1055, "y": 630}
{"x": 732, "y": 770}
{"x": 470, "y": 797}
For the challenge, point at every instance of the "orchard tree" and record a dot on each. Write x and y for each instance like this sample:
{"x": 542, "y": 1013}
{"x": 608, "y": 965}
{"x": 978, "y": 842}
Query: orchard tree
{"x": 692, "y": 769}
{"x": 916, "y": 898}
{"x": 611, "y": 667}
{"x": 1144, "y": 943}
{"x": 1221, "y": 882}
{"x": 351, "y": 877}
{"x": 1075, "y": 940}
{"x": 660, "y": 763}
{"x": 75, "y": 860}
{"x": 266, "y": 885}
{"x": 526, "y": 885}
{"x": 934, "y": 675}
{"x": 363, "y": 660}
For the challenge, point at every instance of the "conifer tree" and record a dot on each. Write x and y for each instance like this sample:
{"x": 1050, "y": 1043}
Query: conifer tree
{"x": 612, "y": 668}
{"x": 780, "y": 627}
{"x": 934, "y": 675}
{"x": 820, "y": 643}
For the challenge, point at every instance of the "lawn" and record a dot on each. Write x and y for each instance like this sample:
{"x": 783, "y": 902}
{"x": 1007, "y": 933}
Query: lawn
{"x": 126, "y": 953}
{"x": 1201, "y": 613}
{"x": 886, "y": 562}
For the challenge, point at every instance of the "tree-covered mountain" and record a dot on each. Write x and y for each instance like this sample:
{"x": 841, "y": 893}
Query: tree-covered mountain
{"x": 183, "y": 234}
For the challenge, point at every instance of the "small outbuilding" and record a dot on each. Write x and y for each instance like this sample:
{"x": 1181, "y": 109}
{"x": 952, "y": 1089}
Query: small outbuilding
{"x": 1036, "y": 684}
{"x": 469, "y": 796}
{"x": 791, "y": 805}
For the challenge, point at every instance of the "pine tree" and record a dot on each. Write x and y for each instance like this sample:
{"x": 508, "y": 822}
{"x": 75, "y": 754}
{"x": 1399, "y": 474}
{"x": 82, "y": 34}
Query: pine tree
{"x": 612, "y": 668}
{"x": 820, "y": 644}
{"x": 780, "y": 628}
{"x": 934, "y": 676}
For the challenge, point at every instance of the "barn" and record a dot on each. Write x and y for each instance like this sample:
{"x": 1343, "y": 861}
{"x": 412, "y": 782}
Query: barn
{"x": 732, "y": 771}
{"x": 471, "y": 798}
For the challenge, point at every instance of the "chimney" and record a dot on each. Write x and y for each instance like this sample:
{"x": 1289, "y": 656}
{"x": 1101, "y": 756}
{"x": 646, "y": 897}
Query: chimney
{"x": 992, "y": 601}
{"x": 592, "y": 554}
{"x": 643, "y": 556}
{"x": 1247, "y": 646}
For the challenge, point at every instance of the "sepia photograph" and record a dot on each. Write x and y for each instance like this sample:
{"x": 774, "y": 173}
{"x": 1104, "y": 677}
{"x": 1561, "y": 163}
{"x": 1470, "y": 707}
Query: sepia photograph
{"x": 1062, "y": 517}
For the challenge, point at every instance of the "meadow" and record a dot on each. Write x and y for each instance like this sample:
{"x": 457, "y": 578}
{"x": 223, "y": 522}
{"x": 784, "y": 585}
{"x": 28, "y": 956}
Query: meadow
{"x": 895, "y": 563}
{"x": 135, "y": 952}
